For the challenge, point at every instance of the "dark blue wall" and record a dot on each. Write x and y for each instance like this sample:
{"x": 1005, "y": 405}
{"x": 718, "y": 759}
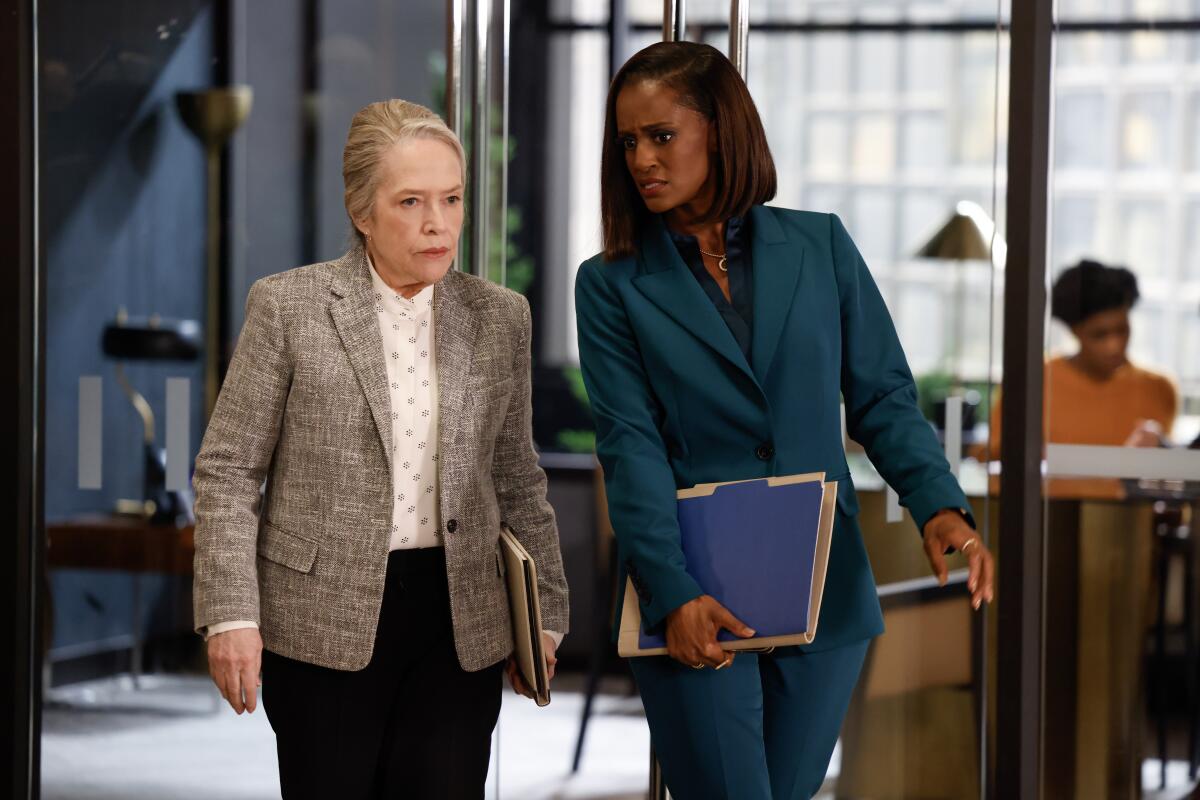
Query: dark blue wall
{"x": 267, "y": 199}
{"x": 363, "y": 51}
{"x": 123, "y": 191}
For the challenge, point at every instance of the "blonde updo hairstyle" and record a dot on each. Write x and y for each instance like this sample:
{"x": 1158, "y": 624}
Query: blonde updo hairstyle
{"x": 373, "y": 132}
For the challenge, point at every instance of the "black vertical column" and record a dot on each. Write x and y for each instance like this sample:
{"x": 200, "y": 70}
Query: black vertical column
{"x": 1022, "y": 536}
{"x": 222, "y": 75}
{"x": 310, "y": 69}
{"x": 618, "y": 35}
{"x": 530, "y": 45}
{"x": 21, "y": 316}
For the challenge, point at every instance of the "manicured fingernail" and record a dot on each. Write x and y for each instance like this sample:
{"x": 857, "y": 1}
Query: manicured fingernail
{"x": 971, "y": 586}
{"x": 750, "y": 631}
{"x": 976, "y": 604}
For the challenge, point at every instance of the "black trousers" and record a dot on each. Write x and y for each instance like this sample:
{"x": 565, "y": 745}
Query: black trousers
{"x": 411, "y": 724}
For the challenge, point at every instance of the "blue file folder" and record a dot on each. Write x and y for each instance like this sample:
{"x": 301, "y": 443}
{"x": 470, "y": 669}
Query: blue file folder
{"x": 760, "y": 548}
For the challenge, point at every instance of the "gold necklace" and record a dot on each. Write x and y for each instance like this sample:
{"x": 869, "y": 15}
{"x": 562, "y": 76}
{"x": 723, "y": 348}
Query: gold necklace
{"x": 720, "y": 264}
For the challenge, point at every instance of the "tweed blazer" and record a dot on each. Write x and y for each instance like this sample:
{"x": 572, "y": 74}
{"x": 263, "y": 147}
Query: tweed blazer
{"x": 305, "y": 407}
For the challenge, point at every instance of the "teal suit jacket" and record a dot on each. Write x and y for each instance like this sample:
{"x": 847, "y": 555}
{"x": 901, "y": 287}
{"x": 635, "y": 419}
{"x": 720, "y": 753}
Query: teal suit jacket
{"x": 676, "y": 403}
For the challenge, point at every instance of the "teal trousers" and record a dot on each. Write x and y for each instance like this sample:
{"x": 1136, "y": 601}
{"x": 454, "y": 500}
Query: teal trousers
{"x": 763, "y": 728}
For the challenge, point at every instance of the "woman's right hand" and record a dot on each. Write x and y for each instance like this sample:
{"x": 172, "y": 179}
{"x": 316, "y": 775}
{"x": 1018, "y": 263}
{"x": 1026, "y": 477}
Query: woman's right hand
{"x": 235, "y": 664}
{"x": 1147, "y": 433}
{"x": 692, "y": 632}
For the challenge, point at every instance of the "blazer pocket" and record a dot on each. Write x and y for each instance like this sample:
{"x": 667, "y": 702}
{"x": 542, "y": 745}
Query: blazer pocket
{"x": 292, "y": 551}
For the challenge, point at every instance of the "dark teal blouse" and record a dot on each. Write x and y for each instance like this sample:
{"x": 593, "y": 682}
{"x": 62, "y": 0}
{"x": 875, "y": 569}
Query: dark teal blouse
{"x": 738, "y": 314}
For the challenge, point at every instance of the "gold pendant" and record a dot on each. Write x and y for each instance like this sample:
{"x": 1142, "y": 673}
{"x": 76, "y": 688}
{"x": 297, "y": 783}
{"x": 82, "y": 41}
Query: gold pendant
{"x": 721, "y": 265}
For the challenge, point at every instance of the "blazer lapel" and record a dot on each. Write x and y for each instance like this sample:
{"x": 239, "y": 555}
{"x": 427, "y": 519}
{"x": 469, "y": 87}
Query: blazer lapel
{"x": 776, "y": 276}
{"x": 455, "y": 328}
{"x": 357, "y": 324}
{"x": 669, "y": 284}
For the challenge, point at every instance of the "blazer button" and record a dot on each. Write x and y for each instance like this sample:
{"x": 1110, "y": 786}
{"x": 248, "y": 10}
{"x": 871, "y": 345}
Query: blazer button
{"x": 765, "y": 452}
{"x": 452, "y": 526}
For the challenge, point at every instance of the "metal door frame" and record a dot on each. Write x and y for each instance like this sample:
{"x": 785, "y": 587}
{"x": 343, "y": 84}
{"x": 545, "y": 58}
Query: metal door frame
{"x": 21, "y": 409}
{"x": 1021, "y": 572}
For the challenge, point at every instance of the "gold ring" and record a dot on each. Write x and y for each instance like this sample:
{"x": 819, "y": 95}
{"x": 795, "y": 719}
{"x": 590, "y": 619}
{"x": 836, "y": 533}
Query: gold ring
{"x": 698, "y": 665}
{"x": 967, "y": 544}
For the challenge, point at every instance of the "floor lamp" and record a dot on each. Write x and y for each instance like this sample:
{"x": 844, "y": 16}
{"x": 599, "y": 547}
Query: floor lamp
{"x": 212, "y": 115}
{"x": 965, "y": 236}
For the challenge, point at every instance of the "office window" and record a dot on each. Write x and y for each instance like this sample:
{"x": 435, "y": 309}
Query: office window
{"x": 876, "y": 209}
{"x": 1192, "y": 136}
{"x": 1145, "y": 130}
{"x": 1080, "y": 130}
{"x": 1153, "y": 326}
{"x": 874, "y": 153}
{"x": 877, "y": 62}
{"x": 1191, "y": 262}
{"x": 829, "y": 64}
{"x": 927, "y": 63}
{"x": 1074, "y": 228}
{"x": 1126, "y": 157}
{"x": 925, "y": 141}
{"x": 1189, "y": 337}
{"x": 921, "y": 211}
{"x": 828, "y": 145}
{"x": 890, "y": 131}
{"x": 923, "y": 308}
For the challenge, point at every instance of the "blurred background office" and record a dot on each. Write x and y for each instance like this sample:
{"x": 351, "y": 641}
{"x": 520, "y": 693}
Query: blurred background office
{"x": 189, "y": 147}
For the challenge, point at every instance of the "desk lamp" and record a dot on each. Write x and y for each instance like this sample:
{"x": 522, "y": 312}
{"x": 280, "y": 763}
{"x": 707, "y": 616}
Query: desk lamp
{"x": 966, "y": 236}
{"x": 152, "y": 339}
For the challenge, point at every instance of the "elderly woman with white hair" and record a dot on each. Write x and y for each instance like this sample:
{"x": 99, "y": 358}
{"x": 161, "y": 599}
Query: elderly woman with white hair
{"x": 385, "y": 401}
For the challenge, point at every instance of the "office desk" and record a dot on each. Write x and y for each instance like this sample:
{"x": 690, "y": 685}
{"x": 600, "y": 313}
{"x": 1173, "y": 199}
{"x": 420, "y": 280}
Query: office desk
{"x": 1100, "y": 585}
{"x": 125, "y": 544}
{"x": 128, "y": 544}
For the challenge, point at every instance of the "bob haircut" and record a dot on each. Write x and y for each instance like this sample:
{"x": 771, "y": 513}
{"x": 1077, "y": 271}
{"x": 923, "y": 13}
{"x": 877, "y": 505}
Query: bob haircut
{"x": 709, "y": 85}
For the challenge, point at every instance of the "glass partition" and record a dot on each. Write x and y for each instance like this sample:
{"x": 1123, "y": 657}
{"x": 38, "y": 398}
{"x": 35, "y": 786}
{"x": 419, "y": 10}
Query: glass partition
{"x": 894, "y": 117}
{"x": 184, "y": 145}
{"x": 188, "y": 148}
{"x": 1122, "y": 404}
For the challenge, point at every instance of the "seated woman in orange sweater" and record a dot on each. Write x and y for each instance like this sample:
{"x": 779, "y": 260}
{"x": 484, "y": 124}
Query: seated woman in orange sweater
{"x": 1097, "y": 396}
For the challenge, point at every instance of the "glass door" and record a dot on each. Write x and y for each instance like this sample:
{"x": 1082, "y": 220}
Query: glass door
{"x": 187, "y": 149}
{"x": 894, "y": 117}
{"x": 1122, "y": 403}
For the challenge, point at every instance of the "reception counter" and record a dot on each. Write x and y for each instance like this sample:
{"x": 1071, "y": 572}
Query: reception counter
{"x": 914, "y": 730}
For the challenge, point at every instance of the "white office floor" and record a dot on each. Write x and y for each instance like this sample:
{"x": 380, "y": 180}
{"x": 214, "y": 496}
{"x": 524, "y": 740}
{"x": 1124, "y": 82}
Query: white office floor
{"x": 173, "y": 739}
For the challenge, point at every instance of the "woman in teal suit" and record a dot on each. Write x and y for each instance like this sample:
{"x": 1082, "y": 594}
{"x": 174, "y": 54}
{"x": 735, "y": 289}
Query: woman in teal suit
{"x": 717, "y": 338}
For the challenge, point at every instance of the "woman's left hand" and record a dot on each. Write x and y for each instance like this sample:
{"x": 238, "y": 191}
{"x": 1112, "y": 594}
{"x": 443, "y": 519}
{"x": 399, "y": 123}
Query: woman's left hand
{"x": 514, "y": 670}
{"x": 947, "y": 529}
